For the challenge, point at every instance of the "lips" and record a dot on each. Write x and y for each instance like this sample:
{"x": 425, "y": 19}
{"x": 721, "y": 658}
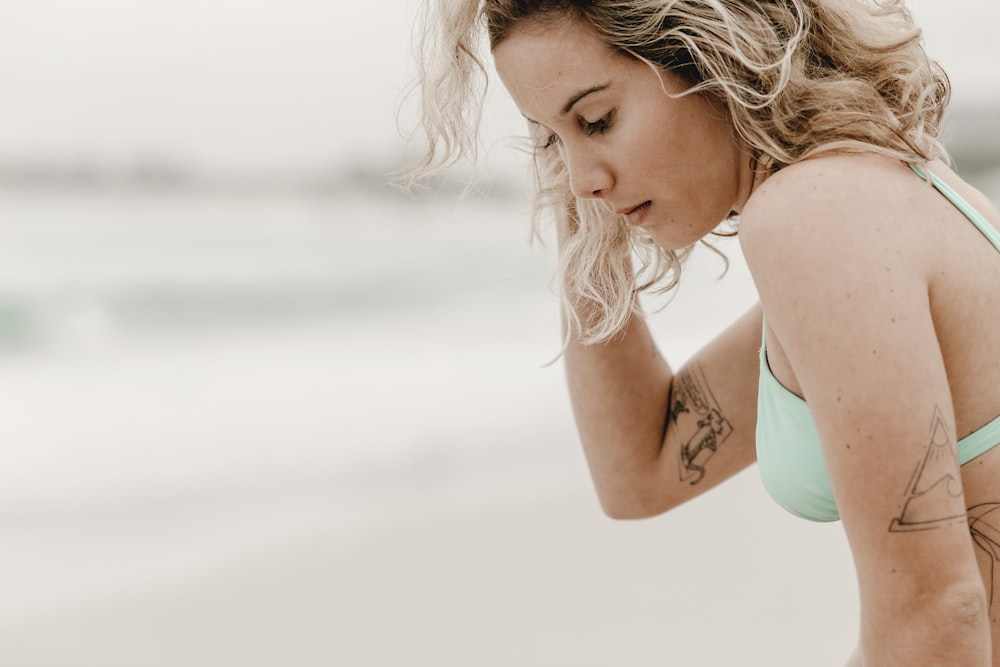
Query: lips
{"x": 634, "y": 215}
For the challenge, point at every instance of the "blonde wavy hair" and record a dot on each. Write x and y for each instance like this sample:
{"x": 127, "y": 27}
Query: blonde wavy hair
{"x": 796, "y": 78}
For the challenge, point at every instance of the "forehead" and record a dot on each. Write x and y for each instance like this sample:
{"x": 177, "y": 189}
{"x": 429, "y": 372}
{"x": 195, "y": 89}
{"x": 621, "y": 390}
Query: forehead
{"x": 542, "y": 64}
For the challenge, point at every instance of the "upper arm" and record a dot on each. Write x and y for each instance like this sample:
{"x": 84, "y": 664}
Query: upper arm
{"x": 654, "y": 438}
{"x": 712, "y": 414}
{"x": 849, "y": 302}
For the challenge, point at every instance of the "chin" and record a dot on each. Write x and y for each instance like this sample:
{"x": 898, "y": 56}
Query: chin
{"x": 668, "y": 242}
{"x": 672, "y": 241}
{"x": 670, "y": 237}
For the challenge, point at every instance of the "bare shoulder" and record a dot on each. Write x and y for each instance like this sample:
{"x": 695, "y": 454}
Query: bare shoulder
{"x": 850, "y": 189}
{"x": 851, "y": 202}
{"x": 834, "y": 247}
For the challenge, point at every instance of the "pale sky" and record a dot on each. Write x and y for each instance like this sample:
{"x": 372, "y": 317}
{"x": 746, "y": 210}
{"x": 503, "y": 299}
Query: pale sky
{"x": 274, "y": 83}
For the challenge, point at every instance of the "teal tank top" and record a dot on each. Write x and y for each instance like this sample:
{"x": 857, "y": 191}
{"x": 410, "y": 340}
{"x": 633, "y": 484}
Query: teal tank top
{"x": 789, "y": 454}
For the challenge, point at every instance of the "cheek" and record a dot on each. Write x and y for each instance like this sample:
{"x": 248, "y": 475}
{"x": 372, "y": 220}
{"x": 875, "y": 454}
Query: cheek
{"x": 659, "y": 140}
{"x": 651, "y": 146}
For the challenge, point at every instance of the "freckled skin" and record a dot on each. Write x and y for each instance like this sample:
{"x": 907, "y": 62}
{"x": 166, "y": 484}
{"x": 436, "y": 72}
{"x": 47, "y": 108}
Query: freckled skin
{"x": 678, "y": 153}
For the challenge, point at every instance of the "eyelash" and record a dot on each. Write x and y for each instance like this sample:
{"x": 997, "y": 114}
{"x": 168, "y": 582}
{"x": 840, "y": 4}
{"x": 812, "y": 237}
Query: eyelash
{"x": 599, "y": 126}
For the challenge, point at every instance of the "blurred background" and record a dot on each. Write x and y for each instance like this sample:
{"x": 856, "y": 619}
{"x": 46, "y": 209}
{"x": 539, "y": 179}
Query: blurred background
{"x": 260, "y": 409}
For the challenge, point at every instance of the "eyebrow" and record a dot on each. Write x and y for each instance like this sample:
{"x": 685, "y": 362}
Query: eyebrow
{"x": 579, "y": 96}
{"x": 573, "y": 100}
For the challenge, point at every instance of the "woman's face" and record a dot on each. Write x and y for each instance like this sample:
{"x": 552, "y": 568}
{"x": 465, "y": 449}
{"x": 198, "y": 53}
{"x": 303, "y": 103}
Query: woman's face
{"x": 669, "y": 165}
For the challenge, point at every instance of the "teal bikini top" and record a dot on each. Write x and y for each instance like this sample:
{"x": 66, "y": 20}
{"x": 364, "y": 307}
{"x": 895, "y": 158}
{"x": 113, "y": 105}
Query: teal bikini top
{"x": 789, "y": 454}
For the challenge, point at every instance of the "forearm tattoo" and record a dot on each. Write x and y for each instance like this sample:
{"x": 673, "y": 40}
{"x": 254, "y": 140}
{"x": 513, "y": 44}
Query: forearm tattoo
{"x": 698, "y": 421}
{"x": 934, "y": 486}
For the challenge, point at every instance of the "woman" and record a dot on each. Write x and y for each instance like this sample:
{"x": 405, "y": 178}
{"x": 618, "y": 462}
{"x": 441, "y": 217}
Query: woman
{"x": 866, "y": 382}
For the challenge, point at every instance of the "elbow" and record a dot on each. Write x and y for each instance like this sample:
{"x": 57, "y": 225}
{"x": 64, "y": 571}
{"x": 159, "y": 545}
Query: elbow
{"x": 631, "y": 505}
{"x": 634, "y": 489}
{"x": 948, "y": 626}
{"x": 623, "y": 512}
{"x": 960, "y": 606}
{"x": 967, "y": 607}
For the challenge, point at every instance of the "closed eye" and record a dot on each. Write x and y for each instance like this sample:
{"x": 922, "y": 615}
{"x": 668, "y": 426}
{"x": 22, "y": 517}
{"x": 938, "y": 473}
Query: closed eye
{"x": 549, "y": 141}
{"x": 598, "y": 126}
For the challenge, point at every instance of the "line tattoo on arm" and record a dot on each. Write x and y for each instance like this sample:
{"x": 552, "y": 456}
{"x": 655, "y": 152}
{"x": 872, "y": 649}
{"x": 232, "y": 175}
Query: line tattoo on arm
{"x": 936, "y": 484}
{"x": 699, "y": 422}
{"x": 929, "y": 504}
{"x": 984, "y": 526}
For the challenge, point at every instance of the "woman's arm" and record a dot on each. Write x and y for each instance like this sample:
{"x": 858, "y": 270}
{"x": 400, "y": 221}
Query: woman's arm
{"x": 654, "y": 439}
{"x": 844, "y": 284}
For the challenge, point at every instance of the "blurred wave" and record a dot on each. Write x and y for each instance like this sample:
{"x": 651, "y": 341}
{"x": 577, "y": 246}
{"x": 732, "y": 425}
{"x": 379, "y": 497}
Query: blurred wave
{"x": 971, "y": 133}
{"x": 79, "y": 261}
{"x": 90, "y": 250}
{"x": 972, "y": 136}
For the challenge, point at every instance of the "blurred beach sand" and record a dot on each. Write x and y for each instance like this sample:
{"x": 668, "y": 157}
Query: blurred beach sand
{"x": 539, "y": 580}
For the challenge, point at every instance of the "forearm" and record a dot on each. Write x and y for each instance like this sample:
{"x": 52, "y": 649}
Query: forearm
{"x": 620, "y": 392}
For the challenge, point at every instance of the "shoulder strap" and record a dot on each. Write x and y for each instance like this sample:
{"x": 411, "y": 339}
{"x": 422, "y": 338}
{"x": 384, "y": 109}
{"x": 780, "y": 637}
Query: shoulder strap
{"x": 959, "y": 202}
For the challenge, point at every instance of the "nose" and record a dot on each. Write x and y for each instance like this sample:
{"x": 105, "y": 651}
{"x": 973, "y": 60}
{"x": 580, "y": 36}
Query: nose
{"x": 590, "y": 175}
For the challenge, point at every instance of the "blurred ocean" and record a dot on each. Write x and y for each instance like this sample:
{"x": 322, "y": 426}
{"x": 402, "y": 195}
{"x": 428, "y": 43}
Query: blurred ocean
{"x": 222, "y": 334}
{"x": 166, "y": 360}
